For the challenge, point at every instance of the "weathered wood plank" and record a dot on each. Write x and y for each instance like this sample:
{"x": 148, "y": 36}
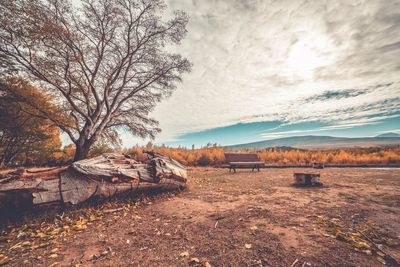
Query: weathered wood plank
{"x": 102, "y": 177}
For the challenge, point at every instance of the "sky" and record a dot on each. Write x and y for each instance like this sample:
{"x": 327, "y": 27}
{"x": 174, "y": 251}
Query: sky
{"x": 269, "y": 69}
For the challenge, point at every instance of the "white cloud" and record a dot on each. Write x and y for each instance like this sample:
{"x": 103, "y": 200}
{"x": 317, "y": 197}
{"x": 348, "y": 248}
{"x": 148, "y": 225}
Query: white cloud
{"x": 280, "y": 134}
{"x": 266, "y": 60}
{"x": 390, "y": 131}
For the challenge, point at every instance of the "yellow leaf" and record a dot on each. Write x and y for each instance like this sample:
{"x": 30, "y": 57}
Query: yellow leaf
{"x": 41, "y": 235}
{"x": 356, "y": 234}
{"x": 207, "y": 264}
{"x": 92, "y": 218}
{"x": 42, "y": 245}
{"x": 247, "y": 246}
{"x": 380, "y": 254}
{"x": 184, "y": 254}
{"x": 80, "y": 227}
{"x": 53, "y": 256}
{"x": 195, "y": 260}
{"x": 55, "y": 231}
{"x": 253, "y": 228}
{"x": 361, "y": 245}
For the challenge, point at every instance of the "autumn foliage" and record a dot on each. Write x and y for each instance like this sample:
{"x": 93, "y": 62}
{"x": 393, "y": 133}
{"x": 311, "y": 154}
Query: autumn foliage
{"x": 214, "y": 156}
{"x": 25, "y": 136}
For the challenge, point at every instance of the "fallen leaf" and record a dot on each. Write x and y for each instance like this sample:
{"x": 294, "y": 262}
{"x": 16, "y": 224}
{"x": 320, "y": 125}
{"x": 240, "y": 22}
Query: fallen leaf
{"x": 26, "y": 243}
{"x": 361, "y": 244}
{"x": 253, "y": 228}
{"x": 184, "y": 254}
{"x": 380, "y": 254}
{"x": 42, "y": 245}
{"x": 247, "y": 246}
{"x": 195, "y": 260}
{"x": 53, "y": 256}
{"x": 41, "y": 235}
{"x": 368, "y": 252}
{"x": 18, "y": 245}
{"x": 55, "y": 232}
{"x": 92, "y": 218}
{"x": 206, "y": 264}
{"x": 381, "y": 260}
{"x": 80, "y": 227}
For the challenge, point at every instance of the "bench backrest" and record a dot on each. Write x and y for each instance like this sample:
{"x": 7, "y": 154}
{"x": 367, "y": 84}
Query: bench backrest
{"x": 241, "y": 157}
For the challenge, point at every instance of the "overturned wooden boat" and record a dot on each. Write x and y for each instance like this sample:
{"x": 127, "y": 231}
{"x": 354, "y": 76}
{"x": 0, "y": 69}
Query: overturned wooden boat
{"x": 100, "y": 177}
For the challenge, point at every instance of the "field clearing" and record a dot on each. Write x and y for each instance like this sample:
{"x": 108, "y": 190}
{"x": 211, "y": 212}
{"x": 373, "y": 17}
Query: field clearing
{"x": 236, "y": 219}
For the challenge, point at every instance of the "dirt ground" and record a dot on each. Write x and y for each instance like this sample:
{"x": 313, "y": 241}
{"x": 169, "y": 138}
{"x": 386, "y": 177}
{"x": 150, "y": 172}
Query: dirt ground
{"x": 227, "y": 219}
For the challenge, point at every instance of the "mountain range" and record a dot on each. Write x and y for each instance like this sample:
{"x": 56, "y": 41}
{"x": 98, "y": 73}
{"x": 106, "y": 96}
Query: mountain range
{"x": 322, "y": 142}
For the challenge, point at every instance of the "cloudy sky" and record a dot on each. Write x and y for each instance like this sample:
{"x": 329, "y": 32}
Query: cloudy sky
{"x": 268, "y": 69}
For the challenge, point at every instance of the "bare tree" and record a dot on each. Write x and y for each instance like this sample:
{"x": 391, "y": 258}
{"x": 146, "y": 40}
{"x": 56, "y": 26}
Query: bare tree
{"x": 106, "y": 61}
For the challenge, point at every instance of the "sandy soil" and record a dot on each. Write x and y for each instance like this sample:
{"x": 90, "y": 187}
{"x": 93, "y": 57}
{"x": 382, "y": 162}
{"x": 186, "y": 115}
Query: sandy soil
{"x": 234, "y": 219}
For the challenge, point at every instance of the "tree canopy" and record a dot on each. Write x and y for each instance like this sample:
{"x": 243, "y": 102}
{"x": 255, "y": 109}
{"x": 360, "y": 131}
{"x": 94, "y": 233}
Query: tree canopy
{"x": 105, "y": 62}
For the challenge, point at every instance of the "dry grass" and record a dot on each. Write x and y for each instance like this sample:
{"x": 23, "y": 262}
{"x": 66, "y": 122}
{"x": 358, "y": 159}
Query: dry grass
{"x": 383, "y": 156}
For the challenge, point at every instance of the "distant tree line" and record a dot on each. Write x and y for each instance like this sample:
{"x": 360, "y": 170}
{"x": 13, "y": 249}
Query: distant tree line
{"x": 214, "y": 156}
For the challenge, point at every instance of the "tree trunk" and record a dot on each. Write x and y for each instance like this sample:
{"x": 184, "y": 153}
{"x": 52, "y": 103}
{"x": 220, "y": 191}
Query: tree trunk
{"x": 82, "y": 150}
{"x": 307, "y": 179}
{"x": 99, "y": 177}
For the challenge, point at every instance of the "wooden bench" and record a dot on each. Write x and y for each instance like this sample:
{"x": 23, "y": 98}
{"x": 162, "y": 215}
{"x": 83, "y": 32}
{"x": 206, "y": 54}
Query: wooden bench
{"x": 243, "y": 160}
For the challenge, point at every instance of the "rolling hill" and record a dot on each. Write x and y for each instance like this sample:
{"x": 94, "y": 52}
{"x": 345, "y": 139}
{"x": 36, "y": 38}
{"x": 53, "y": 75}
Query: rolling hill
{"x": 320, "y": 142}
{"x": 389, "y": 135}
